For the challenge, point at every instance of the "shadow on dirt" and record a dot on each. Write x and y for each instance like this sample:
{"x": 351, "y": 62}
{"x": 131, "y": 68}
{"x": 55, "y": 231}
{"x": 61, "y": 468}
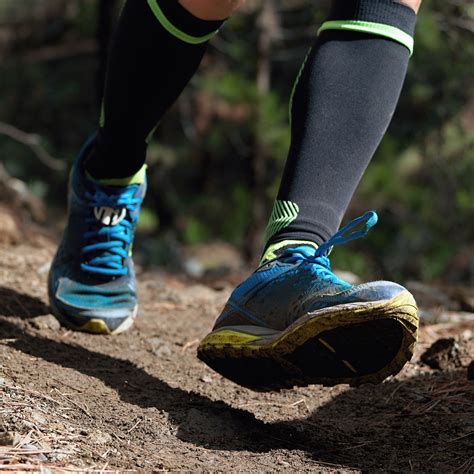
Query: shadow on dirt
{"x": 399, "y": 426}
{"x": 13, "y": 303}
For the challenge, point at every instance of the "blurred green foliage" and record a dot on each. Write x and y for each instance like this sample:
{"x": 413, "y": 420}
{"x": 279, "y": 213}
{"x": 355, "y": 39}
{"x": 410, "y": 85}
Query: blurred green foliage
{"x": 200, "y": 161}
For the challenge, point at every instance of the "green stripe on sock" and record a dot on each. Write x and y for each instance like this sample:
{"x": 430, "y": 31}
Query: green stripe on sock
{"x": 170, "y": 28}
{"x": 283, "y": 214}
{"x": 102, "y": 115}
{"x": 295, "y": 85}
{"x": 137, "y": 178}
{"x": 150, "y": 135}
{"x": 379, "y": 29}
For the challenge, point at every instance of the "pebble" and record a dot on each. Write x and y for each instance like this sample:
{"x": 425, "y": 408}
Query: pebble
{"x": 99, "y": 437}
{"x": 7, "y": 438}
{"x": 159, "y": 347}
{"x": 46, "y": 322}
{"x": 36, "y": 457}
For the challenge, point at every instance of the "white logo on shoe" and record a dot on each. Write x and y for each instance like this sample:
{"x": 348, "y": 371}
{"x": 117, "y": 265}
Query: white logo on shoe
{"x": 109, "y": 215}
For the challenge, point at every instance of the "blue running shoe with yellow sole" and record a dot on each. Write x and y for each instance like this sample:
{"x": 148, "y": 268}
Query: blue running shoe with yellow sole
{"x": 91, "y": 283}
{"x": 293, "y": 322}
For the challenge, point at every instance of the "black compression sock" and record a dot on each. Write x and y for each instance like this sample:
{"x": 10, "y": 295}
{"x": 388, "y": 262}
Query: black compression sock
{"x": 156, "y": 50}
{"x": 342, "y": 105}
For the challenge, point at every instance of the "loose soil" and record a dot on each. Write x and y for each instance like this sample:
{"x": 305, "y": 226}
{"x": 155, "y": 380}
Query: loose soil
{"x": 142, "y": 400}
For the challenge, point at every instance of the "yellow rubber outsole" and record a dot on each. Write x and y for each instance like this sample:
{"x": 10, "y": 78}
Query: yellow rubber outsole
{"x": 95, "y": 325}
{"x": 234, "y": 344}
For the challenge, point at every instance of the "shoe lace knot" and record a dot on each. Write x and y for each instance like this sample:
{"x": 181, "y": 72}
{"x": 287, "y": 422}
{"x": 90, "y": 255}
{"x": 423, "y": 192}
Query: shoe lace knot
{"x": 110, "y": 231}
{"x": 320, "y": 256}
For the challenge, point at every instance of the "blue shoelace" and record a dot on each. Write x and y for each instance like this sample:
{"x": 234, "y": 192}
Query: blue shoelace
{"x": 107, "y": 246}
{"x": 319, "y": 256}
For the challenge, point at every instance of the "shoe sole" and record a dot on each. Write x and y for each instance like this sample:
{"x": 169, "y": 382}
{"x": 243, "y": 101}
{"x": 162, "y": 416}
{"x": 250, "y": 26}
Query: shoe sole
{"x": 352, "y": 343}
{"x": 94, "y": 325}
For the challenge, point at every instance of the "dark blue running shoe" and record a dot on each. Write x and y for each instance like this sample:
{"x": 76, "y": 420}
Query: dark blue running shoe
{"x": 294, "y": 322}
{"x": 91, "y": 283}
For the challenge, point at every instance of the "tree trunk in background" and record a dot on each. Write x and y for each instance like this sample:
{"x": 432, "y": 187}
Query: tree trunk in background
{"x": 267, "y": 24}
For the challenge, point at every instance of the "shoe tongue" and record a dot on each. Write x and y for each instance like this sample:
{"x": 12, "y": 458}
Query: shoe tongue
{"x": 279, "y": 248}
{"x": 109, "y": 216}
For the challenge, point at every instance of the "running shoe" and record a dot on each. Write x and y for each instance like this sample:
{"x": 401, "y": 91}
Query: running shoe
{"x": 91, "y": 283}
{"x": 293, "y": 322}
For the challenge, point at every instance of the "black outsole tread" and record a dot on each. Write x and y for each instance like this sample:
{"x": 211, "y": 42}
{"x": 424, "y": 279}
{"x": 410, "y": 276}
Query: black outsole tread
{"x": 366, "y": 347}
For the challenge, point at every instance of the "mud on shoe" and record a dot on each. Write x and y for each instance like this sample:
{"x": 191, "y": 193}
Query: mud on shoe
{"x": 293, "y": 322}
{"x": 91, "y": 283}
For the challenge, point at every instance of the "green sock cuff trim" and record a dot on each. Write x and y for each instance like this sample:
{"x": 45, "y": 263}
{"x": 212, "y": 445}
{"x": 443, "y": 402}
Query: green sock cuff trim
{"x": 379, "y": 29}
{"x": 137, "y": 178}
{"x": 170, "y": 28}
{"x": 270, "y": 254}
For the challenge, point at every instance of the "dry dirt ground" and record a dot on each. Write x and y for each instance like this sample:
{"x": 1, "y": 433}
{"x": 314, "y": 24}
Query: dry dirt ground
{"x": 142, "y": 401}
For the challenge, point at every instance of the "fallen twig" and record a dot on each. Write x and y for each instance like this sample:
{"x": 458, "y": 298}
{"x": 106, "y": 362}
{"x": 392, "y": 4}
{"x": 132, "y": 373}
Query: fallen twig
{"x": 32, "y": 141}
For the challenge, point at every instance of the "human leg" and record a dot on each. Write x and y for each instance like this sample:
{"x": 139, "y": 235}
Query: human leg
{"x": 157, "y": 48}
{"x": 293, "y": 322}
{"x": 342, "y": 104}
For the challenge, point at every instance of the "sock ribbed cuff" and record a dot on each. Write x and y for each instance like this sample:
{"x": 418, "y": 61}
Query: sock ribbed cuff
{"x": 388, "y": 18}
{"x": 174, "y": 18}
{"x": 272, "y": 251}
{"x": 138, "y": 178}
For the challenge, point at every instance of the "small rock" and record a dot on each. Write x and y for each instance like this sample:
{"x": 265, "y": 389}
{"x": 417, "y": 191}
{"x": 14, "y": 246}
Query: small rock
{"x": 59, "y": 456}
{"x": 99, "y": 437}
{"x": 154, "y": 343}
{"x": 443, "y": 354}
{"x": 46, "y": 322}
{"x": 58, "y": 426}
{"x": 467, "y": 335}
{"x": 7, "y": 438}
{"x": 163, "y": 352}
{"x": 44, "y": 268}
{"x": 206, "y": 379}
{"x": 38, "y": 418}
{"x": 37, "y": 456}
{"x": 194, "y": 267}
{"x": 158, "y": 346}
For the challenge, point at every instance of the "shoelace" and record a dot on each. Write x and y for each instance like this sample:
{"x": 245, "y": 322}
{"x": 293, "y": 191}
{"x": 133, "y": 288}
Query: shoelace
{"x": 107, "y": 246}
{"x": 319, "y": 256}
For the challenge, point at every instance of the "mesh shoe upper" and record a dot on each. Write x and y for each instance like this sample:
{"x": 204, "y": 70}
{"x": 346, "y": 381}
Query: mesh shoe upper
{"x": 298, "y": 281}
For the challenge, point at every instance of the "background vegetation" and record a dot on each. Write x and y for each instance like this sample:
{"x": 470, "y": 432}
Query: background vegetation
{"x": 216, "y": 160}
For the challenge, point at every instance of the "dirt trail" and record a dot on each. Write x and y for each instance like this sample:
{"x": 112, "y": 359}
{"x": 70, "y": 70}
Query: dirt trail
{"x": 142, "y": 400}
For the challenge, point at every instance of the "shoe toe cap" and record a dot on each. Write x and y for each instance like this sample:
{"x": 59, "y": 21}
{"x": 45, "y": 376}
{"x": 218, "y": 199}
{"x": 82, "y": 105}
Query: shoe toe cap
{"x": 101, "y": 309}
{"x": 377, "y": 290}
